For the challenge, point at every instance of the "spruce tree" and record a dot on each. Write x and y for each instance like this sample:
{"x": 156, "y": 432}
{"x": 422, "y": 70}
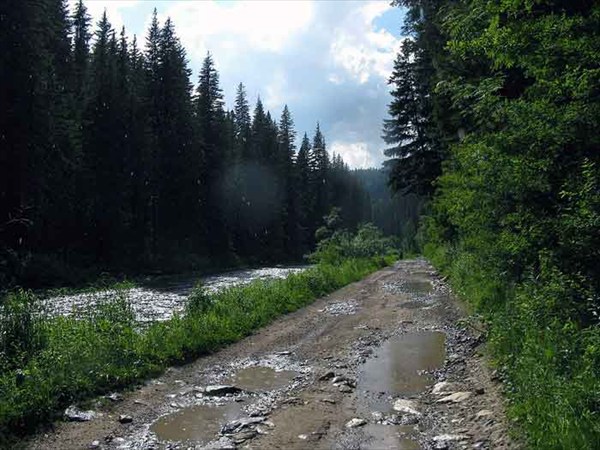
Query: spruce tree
{"x": 210, "y": 116}
{"x": 177, "y": 159}
{"x": 286, "y": 154}
{"x": 81, "y": 48}
{"x": 304, "y": 194}
{"x": 319, "y": 178}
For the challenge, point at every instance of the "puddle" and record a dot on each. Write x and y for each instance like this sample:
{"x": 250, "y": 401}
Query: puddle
{"x": 397, "y": 369}
{"x": 199, "y": 424}
{"x": 418, "y": 287}
{"x": 385, "y": 436}
{"x": 261, "y": 378}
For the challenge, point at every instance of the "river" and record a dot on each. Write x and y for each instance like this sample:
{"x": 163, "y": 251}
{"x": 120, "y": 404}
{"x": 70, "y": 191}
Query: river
{"x": 159, "y": 299}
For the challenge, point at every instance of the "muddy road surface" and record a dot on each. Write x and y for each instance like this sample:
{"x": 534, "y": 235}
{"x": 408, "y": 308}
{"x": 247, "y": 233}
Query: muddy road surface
{"x": 379, "y": 364}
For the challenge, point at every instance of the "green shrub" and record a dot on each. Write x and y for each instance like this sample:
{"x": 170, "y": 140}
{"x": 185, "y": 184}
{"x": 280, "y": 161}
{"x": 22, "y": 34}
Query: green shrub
{"x": 368, "y": 242}
{"x": 22, "y": 329}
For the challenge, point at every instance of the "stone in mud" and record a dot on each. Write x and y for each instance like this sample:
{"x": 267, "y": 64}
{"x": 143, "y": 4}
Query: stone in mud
{"x": 443, "y": 388}
{"x": 114, "y": 397}
{"x": 94, "y": 445}
{"x": 408, "y": 419}
{"x": 406, "y": 406}
{"x": 261, "y": 430}
{"x": 293, "y": 401}
{"x": 393, "y": 419}
{"x": 442, "y": 441}
{"x": 244, "y": 436}
{"x": 457, "y": 397}
{"x": 186, "y": 391}
{"x": 239, "y": 424}
{"x": 377, "y": 416}
{"x": 356, "y": 422}
{"x": 224, "y": 443}
{"x": 345, "y": 389}
{"x": 484, "y": 413}
{"x": 342, "y": 380}
{"x": 123, "y": 418}
{"x": 327, "y": 375}
{"x": 222, "y": 389}
{"x": 74, "y": 414}
{"x": 328, "y": 400}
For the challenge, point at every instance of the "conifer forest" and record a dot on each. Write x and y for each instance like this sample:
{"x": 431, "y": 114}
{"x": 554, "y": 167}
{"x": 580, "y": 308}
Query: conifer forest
{"x": 123, "y": 165}
{"x": 114, "y": 158}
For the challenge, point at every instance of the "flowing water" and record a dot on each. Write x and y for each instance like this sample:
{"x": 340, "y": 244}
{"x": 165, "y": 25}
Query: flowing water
{"x": 159, "y": 299}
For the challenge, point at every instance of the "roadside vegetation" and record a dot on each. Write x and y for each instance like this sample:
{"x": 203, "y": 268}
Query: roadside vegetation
{"x": 49, "y": 363}
{"x": 496, "y": 118}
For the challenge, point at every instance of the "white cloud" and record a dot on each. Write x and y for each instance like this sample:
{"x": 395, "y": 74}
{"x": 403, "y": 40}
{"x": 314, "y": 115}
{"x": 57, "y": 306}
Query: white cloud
{"x": 361, "y": 50}
{"x": 254, "y": 25}
{"x": 113, "y": 10}
{"x": 355, "y": 154}
{"x": 278, "y": 93}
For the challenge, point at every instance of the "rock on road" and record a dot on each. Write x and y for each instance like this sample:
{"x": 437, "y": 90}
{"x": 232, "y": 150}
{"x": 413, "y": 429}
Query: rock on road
{"x": 379, "y": 364}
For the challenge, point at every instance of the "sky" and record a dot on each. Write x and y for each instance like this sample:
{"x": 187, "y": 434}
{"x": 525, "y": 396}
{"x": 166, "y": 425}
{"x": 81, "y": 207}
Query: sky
{"x": 328, "y": 60}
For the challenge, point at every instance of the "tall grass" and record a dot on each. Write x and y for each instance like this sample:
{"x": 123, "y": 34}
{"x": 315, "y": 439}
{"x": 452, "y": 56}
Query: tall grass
{"x": 53, "y": 362}
{"x": 548, "y": 359}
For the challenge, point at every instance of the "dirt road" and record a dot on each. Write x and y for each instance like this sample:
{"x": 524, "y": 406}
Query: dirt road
{"x": 378, "y": 364}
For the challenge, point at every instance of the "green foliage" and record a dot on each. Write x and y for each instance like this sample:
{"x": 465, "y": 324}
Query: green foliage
{"x": 515, "y": 217}
{"x": 65, "y": 359}
{"x": 368, "y": 242}
{"x": 22, "y": 330}
{"x": 198, "y": 301}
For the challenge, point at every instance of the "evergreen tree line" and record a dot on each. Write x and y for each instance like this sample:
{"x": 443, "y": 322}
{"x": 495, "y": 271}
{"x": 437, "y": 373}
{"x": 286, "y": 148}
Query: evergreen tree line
{"x": 393, "y": 213}
{"x": 111, "y": 157}
{"x": 495, "y": 117}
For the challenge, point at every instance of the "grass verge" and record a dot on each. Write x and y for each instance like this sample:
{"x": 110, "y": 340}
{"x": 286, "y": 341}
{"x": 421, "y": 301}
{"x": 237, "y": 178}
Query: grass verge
{"x": 549, "y": 358}
{"x": 50, "y": 363}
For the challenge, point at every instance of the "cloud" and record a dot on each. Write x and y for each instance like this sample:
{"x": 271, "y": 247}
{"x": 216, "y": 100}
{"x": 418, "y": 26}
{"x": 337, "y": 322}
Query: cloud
{"x": 355, "y": 154}
{"x": 328, "y": 60}
{"x": 225, "y": 26}
{"x": 113, "y": 10}
{"x": 359, "y": 49}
